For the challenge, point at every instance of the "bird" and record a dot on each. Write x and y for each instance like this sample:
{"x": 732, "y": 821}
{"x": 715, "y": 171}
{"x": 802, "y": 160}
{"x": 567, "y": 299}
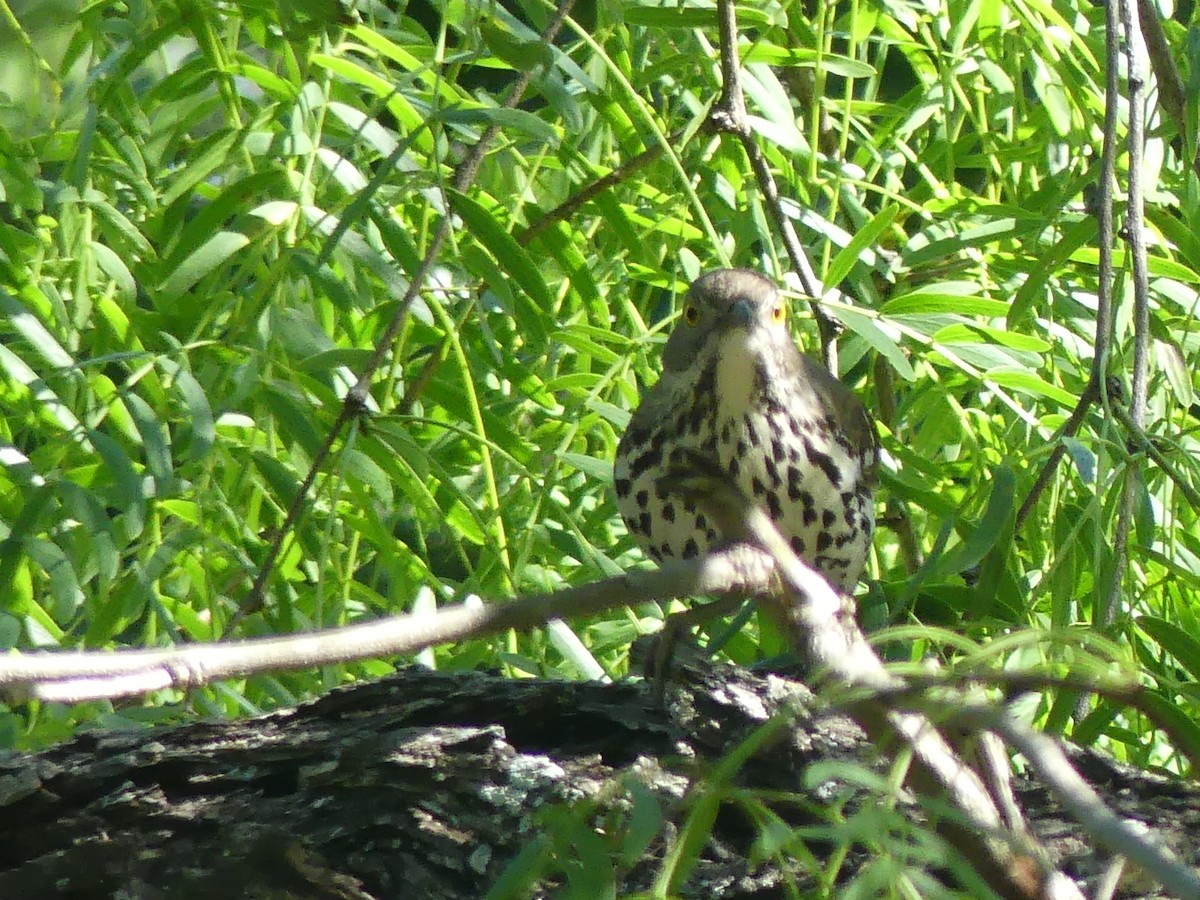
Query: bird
{"x": 738, "y": 395}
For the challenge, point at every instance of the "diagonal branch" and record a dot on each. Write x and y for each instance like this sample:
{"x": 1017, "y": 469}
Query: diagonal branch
{"x": 821, "y": 628}
{"x": 729, "y": 117}
{"x": 74, "y": 677}
{"x": 618, "y": 175}
{"x": 355, "y": 403}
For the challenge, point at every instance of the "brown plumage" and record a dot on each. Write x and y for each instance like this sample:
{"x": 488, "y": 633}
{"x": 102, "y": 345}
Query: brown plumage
{"x": 735, "y": 390}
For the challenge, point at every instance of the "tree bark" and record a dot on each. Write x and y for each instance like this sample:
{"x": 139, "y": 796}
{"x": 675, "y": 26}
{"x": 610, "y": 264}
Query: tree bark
{"x": 429, "y": 785}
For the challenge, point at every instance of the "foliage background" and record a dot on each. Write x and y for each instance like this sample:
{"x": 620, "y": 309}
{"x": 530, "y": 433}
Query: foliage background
{"x": 210, "y": 211}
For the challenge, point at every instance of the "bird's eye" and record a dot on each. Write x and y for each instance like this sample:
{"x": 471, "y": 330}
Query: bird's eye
{"x": 691, "y": 314}
{"x": 778, "y": 313}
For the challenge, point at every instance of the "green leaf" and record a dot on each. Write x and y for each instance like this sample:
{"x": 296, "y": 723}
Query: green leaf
{"x": 1183, "y": 730}
{"x": 294, "y": 415}
{"x": 126, "y": 494}
{"x": 206, "y": 259}
{"x": 513, "y": 259}
{"x": 515, "y": 119}
{"x": 865, "y": 327}
{"x": 1180, "y": 644}
{"x": 992, "y": 524}
{"x": 866, "y": 237}
{"x": 832, "y": 63}
{"x": 1029, "y": 383}
{"x": 944, "y": 299}
{"x": 28, "y": 326}
{"x": 199, "y": 412}
{"x": 154, "y": 439}
{"x": 114, "y": 267}
{"x": 692, "y": 16}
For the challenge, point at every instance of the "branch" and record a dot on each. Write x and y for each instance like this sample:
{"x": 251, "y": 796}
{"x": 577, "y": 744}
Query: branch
{"x": 1077, "y": 796}
{"x": 568, "y": 207}
{"x": 1096, "y": 390}
{"x": 1135, "y": 238}
{"x": 355, "y": 402}
{"x": 1089, "y": 397}
{"x": 1171, "y": 92}
{"x": 729, "y": 117}
{"x": 1141, "y": 441}
{"x": 74, "y": 677}
{"x": 821, "y": 628}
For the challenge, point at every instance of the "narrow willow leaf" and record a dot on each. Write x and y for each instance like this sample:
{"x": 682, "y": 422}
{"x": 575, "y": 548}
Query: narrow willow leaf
{"x": 360, "y": 466}
{"x": 213, "y": 254}
{"x": 127, "y": 493}
{"x": 1174, "y": 365}
{"x": 464, "y": 521}
{"x": 939, "y": 300}
{"x": 29, "y": 327}
{"x": 1180, "y": 644}
{"x": 200, "y": 418}
{"x": 1182, "y": 729}
{"x": 1078, "y": 235}
{"x": 63, "y": 581}
{"x": 599, "y": 469}
{"x": 514, "y": 119}
{"x": 294, "y": 415}
{"x": 513, "y": 259}
{"x": 1083, "y": 458}
{"x": 866, "y": 329}
{"x": 20, "y": 372}
{"x": 1029, "y": 383}
{"x": 975, "y": 333}
{"x": 282, "y": 481}
{"x": 154, "y": 438}
{"x": 1157, "y": 265}
{"x": 114, "y": 267}
{"x": 692, "y": 17}
{"x": 833, "y": 63}
{"x": 840, "y": 265}
{"x": 991, "y": 525}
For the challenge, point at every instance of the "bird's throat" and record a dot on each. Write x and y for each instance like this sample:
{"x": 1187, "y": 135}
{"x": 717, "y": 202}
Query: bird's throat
{"x": 739, "y": 368}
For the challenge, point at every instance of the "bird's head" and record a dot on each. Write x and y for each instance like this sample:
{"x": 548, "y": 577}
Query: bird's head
{"x": 727, "y": 308}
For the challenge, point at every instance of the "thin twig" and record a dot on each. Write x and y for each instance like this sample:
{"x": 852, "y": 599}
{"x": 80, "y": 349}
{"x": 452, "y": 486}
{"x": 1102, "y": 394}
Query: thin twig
{"x": 1171, "y": 92}
{"x": 1096, "y": 390}
{"x": 355, "y": 402}
{"x": 1127, "y": 694}
{"x": 729, "y": 117}
{"x": 1135, "y": 238}
{"x": 568, "y": 207}
{"x": 1089, "y": 397}
{"x": 1081, "y": 800}
{"x": 1141, "y": 442}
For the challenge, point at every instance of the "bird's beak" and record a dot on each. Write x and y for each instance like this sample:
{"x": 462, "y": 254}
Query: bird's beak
{"x": 739, "y": 315}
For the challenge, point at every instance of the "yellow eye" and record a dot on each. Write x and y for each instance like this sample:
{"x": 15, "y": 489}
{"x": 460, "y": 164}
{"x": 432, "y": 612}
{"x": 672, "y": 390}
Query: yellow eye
{"x": 779, "y": 312}
{"x": 691, "y": 314}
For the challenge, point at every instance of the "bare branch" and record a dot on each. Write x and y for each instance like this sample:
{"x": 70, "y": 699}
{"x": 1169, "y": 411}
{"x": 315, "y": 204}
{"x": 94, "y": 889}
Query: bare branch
{"x": 821, "y": 627}
{"x": 1096, "y": 390}
{"x": 1135, "y": 238}
{"x": 88, "y": 675}
{"x": 1051, "y": 763}
{"x": 568, "y": 207}
{"x": 1089, "y": 397}
{"x": 1171, "y": 92}
{"x": 729, "y": 116}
